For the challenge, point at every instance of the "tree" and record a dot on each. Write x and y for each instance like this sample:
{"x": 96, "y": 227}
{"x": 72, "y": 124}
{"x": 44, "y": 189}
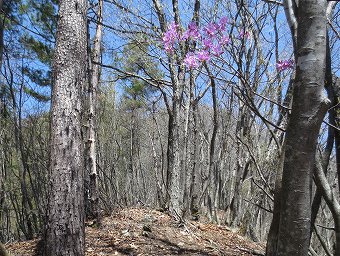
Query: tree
{"x": 91, "y": 144}
{"x": 3, "y": 251}
{"x": 308, "y": 110}
{"x": 2, "y": 21}
{"x": 64, "y": 231}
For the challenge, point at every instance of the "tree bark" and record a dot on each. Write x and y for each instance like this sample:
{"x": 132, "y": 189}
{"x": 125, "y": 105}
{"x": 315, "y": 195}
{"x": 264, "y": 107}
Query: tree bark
{"x": 2, "y": 28}
{"x": 64, "y": 231}
{"x": 3, "y": 251}
{"x": 212, "y": 169}
{"x": 175, "y": 189}
{"x": 177, "y": 73}
{"x": 272, "y": 239}
{"x": 92, "y": 94}
{"x": 308, "y": 110}
{"x": 326, "y": 155}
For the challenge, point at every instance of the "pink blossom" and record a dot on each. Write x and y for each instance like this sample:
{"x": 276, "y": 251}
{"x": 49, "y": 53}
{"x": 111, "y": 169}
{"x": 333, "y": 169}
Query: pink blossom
{"x": 217, "y": 50}
{"x": 185, "y": 36}
{"x": 211, "y": 29}
{"x": 207, "y": 43}
{"x": 170, "y": 36}
{"x": 284, "y": 64}
{"x": 203, "y": 55}
{"x": 169, "y": 48}
{"x": 192, "y": 27}
{"x": 191, "y": 60}
{"x": 222, "y": 24}
{"x": 192, "y": 32}
{"x": 172, "y": 33}
{"x": 224, "y": 40}
{"x": 173, "y": 27}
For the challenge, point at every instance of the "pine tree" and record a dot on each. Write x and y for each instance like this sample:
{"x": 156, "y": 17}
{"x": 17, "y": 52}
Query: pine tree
{"x": 64, "y": 232}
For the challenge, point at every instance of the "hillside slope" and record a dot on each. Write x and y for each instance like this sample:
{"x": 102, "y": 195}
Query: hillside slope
{"x": 137, "y": 231}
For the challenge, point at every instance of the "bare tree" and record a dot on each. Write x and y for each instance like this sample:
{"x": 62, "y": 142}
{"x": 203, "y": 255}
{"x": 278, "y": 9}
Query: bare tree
{"x": 92, "y": 101}
{"x": 308, "y": 109}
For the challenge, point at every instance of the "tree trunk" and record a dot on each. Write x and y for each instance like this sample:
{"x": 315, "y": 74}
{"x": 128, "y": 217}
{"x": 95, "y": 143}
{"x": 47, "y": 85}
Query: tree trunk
{"x": 308, "y": 109}
{"x": 2, "y": 28}
{"x": 274, "y": 226}
{"x": 330, "y": 136}
{"x": 3, "y": 251}
{"x": 175, "y": 198}
{"x": 213, "y": 172}
{"x": 64, "y": 232}
{"x": 92, "y": 94}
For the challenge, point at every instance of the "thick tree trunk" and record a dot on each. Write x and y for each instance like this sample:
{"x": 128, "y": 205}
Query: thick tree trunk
{"x": 64, "y": 234}
{"x": 308, "y": 109}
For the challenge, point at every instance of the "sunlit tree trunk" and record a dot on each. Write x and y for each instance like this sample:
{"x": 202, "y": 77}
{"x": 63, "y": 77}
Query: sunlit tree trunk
{"x": 308, "y": 109}
{"x": 64, "y": 232}
{"x": 92, "y": 94}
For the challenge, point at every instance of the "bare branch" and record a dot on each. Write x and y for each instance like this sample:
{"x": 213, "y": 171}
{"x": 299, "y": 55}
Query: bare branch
{"x": 327, "y": 192}
{"x": 273, "y": 2}
{"x": 160, "y": 14}
{"x": 291, "y": 10}
{"x": 152, "y": 82}
{"x": 330, "y": 7}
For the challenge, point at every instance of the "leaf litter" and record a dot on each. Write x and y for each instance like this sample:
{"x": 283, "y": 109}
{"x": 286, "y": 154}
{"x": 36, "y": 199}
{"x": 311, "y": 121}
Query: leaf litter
{"x": 145, "y": 231}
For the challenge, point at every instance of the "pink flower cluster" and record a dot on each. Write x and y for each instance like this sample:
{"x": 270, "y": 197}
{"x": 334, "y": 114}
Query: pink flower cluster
{"x": 210, "y": 41}
{"x": 284, "y": 64}
{"x": 192, "y": 32}
{"x": 170, "y": 37}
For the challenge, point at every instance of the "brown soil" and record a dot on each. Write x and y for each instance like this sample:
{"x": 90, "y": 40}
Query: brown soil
{"x": 137, "y": 232}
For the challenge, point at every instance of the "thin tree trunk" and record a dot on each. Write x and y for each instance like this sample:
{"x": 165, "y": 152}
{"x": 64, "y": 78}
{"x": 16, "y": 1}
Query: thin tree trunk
{"x": 213, "y": 172}
{"x": 331, "y": 200}
{"x": 273, "y": 233}
{"x": 192, "y": 177}
{"x": 2, "y": 28}
{"x": 175, "y": 200}
{"x": 170, "y": 160}
{"x": 330, "y": 137}
{"x": 92, "y": 94}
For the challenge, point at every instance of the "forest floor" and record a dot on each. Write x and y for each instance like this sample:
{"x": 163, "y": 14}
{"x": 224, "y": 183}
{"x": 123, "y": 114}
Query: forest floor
{"x": 143, "y": 231}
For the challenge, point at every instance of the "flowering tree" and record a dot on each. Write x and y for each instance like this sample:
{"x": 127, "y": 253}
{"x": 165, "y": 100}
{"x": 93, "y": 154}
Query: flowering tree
{"x": 205, "y": 45}
{"x": 238, "y": 58}
{"x": 208, "y": 43}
